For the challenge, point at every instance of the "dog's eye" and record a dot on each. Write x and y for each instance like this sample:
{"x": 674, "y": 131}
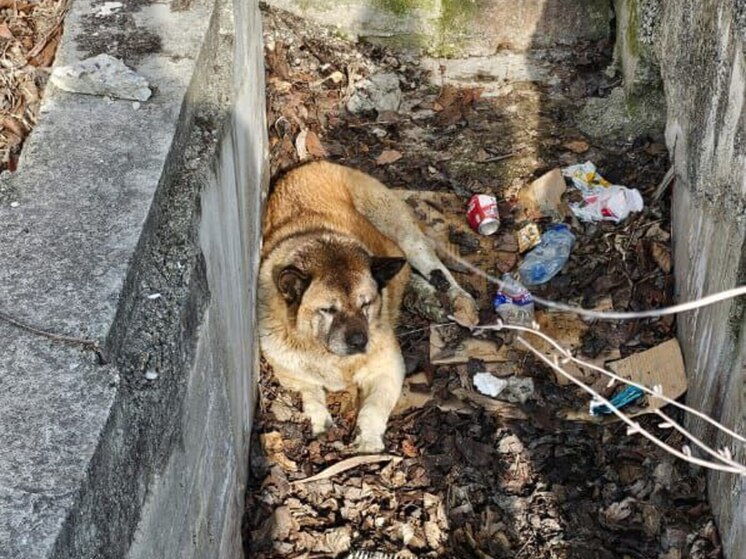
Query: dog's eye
{"x": 366, "y": 304}
{"x": 329, "y": 310}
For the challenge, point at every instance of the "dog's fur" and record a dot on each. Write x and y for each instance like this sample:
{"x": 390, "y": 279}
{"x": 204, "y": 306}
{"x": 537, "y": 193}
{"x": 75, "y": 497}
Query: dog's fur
{"x": 331, "y": 281}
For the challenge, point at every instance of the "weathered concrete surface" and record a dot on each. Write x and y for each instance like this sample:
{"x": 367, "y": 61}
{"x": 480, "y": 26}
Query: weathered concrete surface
{"x": 702, "y": 59}
{"x": 637, "y": 26}
{"x": 457, "y": 28}
{"x": 127, "y": 224}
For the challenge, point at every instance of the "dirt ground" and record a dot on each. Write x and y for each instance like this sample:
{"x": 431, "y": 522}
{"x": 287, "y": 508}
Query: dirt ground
{"x": 465, "y": 475}
{"x": 29, "y": 34}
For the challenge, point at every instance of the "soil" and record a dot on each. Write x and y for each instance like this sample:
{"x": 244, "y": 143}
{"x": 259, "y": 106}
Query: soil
{"x": 465, "y": 475}
{"x": 29, "y": 35}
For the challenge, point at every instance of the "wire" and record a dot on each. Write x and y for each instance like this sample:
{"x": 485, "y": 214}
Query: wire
{"x": 611, "y": 315}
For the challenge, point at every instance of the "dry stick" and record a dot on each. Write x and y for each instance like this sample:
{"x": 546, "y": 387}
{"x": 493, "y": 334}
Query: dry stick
{"x": 82, "y": 342}
{"x": 348, "y": 464}
{"x": 634, "y": 427}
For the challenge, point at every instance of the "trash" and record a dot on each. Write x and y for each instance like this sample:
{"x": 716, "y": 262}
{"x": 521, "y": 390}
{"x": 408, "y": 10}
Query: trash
{"x": 150, "y": 374}
{"x": 380, "y": 92}
{"x": 482, "y": 214}
{"x": 585, "y": 177}
{"x": 102, "y": 75}
{"x": 543, "y": 197}
{"x": 489, "y": 385}
{"x": 514, "y": 303}
{"x": 603, "y": 201}
{"x": 528, "y": 237}
{"x": 661, "y": 366}
{"x": 619, "y": 401}
{"x": 547, "y": 259}
{"x": 614, "y": 203}
{"x": 513, "y": 389}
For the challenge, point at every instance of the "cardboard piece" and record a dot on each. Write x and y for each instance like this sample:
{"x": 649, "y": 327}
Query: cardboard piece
{"x": 661, "y": 365}
{"x": 543, "y": 197}
{"x": 489, "y": 351}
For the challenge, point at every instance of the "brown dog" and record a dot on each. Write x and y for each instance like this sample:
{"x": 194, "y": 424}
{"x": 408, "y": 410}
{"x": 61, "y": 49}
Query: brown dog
{"x": 333, "y": 272}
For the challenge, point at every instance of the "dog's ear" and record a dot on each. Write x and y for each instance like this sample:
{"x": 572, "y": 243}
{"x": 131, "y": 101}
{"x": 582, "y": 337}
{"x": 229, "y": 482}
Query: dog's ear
{"x": 291, "y": 283}
{"x": 384, "y": 268}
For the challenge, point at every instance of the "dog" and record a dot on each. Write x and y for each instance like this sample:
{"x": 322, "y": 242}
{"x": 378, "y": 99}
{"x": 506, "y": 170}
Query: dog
{"x": 337, "y": 253}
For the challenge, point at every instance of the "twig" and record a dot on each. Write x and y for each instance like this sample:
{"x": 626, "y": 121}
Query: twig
{"x": 667, "y": 180}
{"x": 81, "y": 342}
{"x": 500, "y": 157}
{"x": 348, "y": 464}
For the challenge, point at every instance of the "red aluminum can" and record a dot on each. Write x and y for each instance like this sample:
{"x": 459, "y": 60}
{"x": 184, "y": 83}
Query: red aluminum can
{"x": 482, "y": 214}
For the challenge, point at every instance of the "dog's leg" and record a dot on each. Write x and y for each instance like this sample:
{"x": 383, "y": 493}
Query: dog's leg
{"x": 380, "y": 383}
{"x": 314, "y": 407}
{"x": 391, "y": 215}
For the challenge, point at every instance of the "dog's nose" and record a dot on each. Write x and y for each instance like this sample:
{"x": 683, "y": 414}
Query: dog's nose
{"x": 356, "y": 341}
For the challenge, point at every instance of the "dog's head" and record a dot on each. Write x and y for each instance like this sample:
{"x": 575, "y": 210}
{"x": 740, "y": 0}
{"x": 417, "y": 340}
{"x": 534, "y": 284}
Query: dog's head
{"x": 333, "y": 294}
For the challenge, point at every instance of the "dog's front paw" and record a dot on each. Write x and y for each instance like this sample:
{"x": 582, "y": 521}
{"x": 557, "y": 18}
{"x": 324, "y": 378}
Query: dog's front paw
{"x": 464, "y": 307}
{"x": 321, "y": 420}
{"x": 368, "y": 444}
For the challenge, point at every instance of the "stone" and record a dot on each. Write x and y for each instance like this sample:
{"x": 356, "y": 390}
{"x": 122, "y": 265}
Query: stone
{"x": 380, "y": 92}
{"x": 102, "y": 75}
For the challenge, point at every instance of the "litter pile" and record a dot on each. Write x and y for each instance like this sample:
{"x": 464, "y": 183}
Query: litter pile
{"x": 489, "y": 454}
{"x": 29, "y": 34}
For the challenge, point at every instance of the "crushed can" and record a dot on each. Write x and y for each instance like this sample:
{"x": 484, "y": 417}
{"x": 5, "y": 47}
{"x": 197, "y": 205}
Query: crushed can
{"x": 482, "y": 214}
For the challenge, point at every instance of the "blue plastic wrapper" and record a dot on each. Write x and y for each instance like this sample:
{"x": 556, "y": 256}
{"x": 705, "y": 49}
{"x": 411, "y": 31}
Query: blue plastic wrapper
{"x": 619, "y": 401}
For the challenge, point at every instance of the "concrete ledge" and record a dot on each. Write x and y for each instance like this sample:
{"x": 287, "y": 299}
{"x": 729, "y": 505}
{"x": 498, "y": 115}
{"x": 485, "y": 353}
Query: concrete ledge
{"x": 117, "y": 204}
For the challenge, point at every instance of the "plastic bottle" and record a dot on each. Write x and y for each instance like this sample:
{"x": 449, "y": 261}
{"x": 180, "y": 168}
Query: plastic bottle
{"x": 549, "y": 257}
{"x": 514, "y": 303}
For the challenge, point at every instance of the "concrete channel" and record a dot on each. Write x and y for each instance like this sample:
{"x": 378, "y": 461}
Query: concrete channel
{"x": 137, "y": 228}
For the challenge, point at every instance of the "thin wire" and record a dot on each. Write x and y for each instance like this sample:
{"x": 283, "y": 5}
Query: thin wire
{"x": 609, "y": 315}
{"x": 614, "y": 376}
{"x": 634, "y": 426}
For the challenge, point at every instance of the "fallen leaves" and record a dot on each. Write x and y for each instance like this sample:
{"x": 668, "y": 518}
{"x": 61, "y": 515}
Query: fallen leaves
{"x": 388, "y": 156}
{"x": 29, "y": 33}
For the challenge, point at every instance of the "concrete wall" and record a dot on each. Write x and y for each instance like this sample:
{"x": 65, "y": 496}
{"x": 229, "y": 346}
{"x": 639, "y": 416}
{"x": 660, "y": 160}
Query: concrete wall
{"x": 462, "y": 28}
{"x": 704, "y": 74}
{"x": 136, "y": 227}
{"x": 699, "y": 47}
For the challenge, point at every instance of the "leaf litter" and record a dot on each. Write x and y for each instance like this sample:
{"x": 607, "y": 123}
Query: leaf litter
{"x": 29, "y": 35}
{"x": 474, "y": 476}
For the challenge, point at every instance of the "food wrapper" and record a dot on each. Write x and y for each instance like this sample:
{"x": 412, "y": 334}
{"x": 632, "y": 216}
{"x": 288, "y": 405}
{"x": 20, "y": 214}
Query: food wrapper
{"x": 602, "y": 201}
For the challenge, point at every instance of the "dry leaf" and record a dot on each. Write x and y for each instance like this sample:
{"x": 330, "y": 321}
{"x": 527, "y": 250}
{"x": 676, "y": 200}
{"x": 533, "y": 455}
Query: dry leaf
{"x": 274, "y": 448}
{"x": 662, "y": 256}
{"x": 348, "y": 464}
{"x": 388, "y": 156}
{"x": 314, "y": 146}
{"x": 577, "y": 146}
{"x": 300, "y": 145}
{"x": 5, "y": 32}
{"x": 11, "y": 124}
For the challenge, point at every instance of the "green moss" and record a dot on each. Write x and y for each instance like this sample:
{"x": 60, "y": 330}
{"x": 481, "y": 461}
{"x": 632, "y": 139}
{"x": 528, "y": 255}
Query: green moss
{"x": 633, "y": 40}
{"x": 403, "y": 7}
{"x": 454, "y": 22}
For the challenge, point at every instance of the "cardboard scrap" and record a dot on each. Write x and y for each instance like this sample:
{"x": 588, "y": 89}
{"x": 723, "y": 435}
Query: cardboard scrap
{"x": 443, "y": 353}
{"x": 661, "y": 365}
{"x": 543, "y": 197}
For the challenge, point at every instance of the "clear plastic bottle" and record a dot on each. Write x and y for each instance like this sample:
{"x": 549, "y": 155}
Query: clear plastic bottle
{"x": 514, "y": 303}
{"x": 549, "y": 257}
